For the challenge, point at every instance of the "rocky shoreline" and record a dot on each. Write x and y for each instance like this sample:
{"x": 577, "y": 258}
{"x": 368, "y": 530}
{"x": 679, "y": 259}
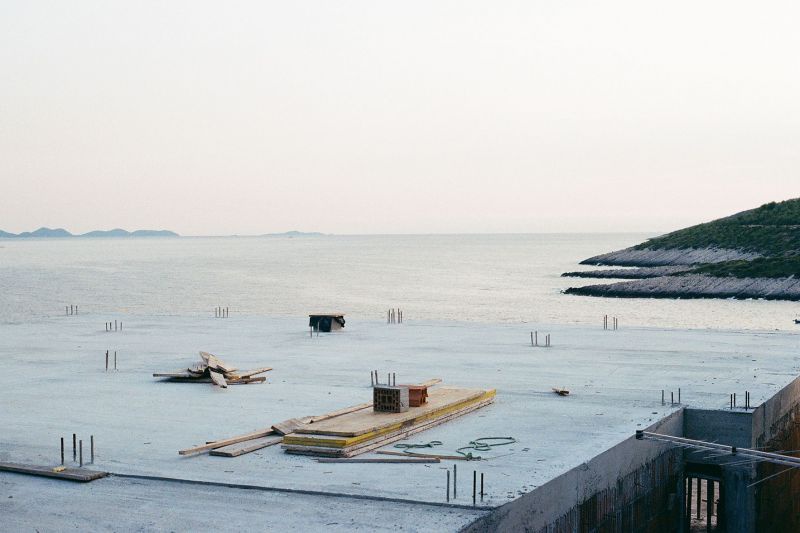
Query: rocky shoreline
{"x": 628, "y": 273}
{"x": 656, "y": 257}
{"x": 697, "y": 286}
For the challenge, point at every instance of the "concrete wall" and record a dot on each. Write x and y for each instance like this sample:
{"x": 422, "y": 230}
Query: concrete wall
{"x": 734, "y": 428}
{"x": 750, "y": 504}
{"x": 776, "y": 426}
{"x": 634, "y": 486}
{"x": 639, "y": 485}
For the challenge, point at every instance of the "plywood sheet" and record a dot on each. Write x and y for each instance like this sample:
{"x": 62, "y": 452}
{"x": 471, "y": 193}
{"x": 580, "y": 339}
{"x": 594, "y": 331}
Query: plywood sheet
{"x": 441, "y": 400}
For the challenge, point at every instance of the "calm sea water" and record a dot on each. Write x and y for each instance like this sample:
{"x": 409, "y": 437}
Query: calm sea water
{"x": 489, "y": 278}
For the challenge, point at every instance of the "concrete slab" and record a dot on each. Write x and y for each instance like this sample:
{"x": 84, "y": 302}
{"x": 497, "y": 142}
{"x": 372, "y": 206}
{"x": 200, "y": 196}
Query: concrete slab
{"x": 119, "y": 504}
{"x": 54, "y": 385}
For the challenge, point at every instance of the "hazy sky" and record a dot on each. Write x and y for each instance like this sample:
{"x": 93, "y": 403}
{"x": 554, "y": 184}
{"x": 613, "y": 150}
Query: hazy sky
{"x": 395, "y": 117}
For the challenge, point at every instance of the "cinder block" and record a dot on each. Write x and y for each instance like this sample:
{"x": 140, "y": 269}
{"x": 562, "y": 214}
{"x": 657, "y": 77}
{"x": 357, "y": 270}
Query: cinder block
{"x": 386, "y": 399}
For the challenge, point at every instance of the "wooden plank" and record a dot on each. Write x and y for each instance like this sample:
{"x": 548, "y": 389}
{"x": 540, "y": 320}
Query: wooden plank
{"x": 428, "y": 455}
{"x": 340, "y": 412}
{"x": 288, "y": 426}
{"x": 212, "y": 362}
{"x": 411, "y": 460}
{"x": 241, "y": 448}
{"x": 430, "y": 382}
{"x": 293, "y": 424}
{"x": 225, "y": 442}
{"x": 378, "y": 442}
{"x": 180, "y": 374}
{"x": 250, "y": 373}
{"x": 69, "y": 474}
{"x": 359, "y": 423}
{"x": 208, "y": 380}
{"x": 217, "y": 378}
{"x": 245, "y": 381}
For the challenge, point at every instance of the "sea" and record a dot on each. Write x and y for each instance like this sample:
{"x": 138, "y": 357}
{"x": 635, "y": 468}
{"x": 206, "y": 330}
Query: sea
{"x": 477, "y": 278}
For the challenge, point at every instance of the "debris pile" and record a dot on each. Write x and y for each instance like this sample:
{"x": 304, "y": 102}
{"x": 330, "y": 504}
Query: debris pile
{"x": 213, "y": 370}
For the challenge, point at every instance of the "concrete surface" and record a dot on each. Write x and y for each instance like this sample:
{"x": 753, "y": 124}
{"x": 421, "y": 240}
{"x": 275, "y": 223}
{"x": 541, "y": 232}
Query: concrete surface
{"x": 53, "y": 384}
{"x": 119, "y": 504}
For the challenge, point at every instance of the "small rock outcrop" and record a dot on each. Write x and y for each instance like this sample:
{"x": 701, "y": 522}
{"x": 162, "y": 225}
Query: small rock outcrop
{"x": 629, "y": 273}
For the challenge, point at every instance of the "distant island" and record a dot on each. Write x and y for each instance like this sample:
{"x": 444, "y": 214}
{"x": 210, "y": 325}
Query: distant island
{"x": 59, "y": 233}
{"x": 752, "y": 254}
{"x": 294, "y": 233}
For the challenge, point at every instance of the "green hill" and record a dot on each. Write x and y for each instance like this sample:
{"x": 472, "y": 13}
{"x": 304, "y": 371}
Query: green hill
{"x": 772, "y": 230}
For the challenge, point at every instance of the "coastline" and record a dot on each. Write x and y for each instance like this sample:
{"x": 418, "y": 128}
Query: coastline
{"x": 696, "y": 286}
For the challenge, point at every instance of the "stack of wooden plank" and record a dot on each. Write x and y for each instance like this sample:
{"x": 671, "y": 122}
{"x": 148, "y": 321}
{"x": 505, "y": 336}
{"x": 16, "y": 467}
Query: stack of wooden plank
{"x": 362, "y": 431}
{"x": 212, "y": 370}
{"x": 256, "y": 440}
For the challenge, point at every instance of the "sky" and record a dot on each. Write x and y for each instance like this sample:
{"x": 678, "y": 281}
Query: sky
{"x": 351, "y": 116}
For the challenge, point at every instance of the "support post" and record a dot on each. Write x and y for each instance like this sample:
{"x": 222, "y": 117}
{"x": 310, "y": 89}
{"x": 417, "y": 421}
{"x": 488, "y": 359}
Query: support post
{"x": 62, "y": 450}
{"x": 698, "y": 497}
{"x": 74, "y": 446}
{"x": 688, "y": 502}
{"x": 710, "y": 503}
{"x": 80, "y": 452}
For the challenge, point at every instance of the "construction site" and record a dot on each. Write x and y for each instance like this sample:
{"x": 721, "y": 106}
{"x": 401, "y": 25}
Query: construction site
{"x": 189, "y": 423}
